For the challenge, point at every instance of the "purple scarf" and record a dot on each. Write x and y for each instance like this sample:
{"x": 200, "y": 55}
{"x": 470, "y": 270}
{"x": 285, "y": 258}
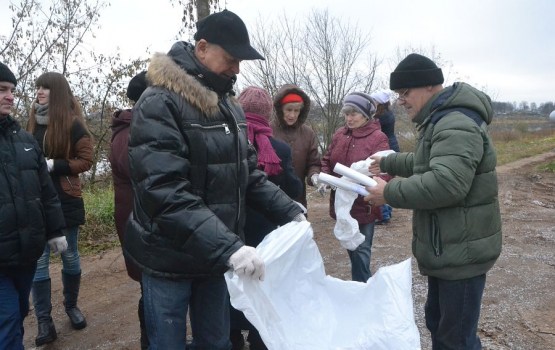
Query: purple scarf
{"x": 259, "y": 132}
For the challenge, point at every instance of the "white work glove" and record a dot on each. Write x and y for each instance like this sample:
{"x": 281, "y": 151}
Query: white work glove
{"x": 58, "y": 244}
{"x": 322, "y": 189}
{"x": 50, "y": 164}
{"x": 245, "y": 261}
{"x": 300, "y": 217}
{"x": 314, "y": 179}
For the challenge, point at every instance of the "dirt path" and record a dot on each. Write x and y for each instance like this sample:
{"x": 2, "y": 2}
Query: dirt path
{"x": 519, "y": 303}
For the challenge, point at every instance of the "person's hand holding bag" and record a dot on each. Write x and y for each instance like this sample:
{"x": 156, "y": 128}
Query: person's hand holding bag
{"x": 245, "y": 261}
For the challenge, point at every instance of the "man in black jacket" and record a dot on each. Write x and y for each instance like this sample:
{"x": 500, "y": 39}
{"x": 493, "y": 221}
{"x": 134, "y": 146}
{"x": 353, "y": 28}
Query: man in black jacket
{"x": 30, "y": 216}
{"x": 193, "y": 171}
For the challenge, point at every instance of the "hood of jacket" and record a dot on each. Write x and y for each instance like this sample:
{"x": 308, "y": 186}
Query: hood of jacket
{"x": 458, "y": 95}
{"x": 285, "y": 90}
{"x": 120, "y": 120}
{"x": 180, "y": 72}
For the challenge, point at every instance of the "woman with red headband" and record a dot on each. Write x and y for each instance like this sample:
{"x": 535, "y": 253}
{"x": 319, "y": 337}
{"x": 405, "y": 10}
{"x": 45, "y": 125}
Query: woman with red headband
{"x": 292, "y": 105}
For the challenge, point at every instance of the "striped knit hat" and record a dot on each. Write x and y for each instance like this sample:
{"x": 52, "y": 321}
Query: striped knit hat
{"x": 362, "y": 102}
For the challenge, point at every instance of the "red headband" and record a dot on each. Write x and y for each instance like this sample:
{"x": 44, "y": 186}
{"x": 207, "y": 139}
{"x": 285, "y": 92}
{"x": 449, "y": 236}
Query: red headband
{"x": 291, "y": 98}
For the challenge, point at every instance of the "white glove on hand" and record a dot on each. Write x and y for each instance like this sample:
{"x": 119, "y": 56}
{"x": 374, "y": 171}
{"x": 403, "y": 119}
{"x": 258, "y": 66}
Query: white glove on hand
{"x": 245, "y": 261}
{"x": 58, "y": 244}
{"x": 322, "y": 189}
{"x": 314, "y": 179}
{"x": 299, "y": 218}
{"x": 50, "y": 164}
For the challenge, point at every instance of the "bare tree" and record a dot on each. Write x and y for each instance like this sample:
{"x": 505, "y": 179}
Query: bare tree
{"x": 52, "y": 36}
{"x": 194, "y": 10}
{"x": 322, "y": 56}
{"x": 283, "y": 52}
{"x": 49, "y": 38}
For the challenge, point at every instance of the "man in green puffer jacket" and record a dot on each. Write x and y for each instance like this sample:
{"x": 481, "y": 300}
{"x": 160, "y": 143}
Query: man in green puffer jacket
{"x": 451, "y": 184}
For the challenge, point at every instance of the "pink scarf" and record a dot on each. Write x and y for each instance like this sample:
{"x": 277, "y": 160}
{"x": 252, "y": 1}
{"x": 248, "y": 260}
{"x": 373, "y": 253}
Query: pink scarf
{"x": 259, "y": 132}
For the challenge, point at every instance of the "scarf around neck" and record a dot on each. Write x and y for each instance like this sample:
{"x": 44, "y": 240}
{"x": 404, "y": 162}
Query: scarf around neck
{"x": 41, "y": 114}
{"x": 259, "y": 132}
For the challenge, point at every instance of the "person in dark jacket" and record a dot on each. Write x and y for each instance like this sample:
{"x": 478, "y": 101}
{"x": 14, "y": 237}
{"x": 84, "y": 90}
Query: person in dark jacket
{"x": 30, "y": 216}
{"x": 274, "y": 158}
{"x": 357, "y": 140}
{"x": 386, "y": 117}
{"x": 123, "y": 191}
{"x": 450, "y": 183}
{"x": 56, "y": 121}
{"x": 387, "y": 123}
{"x": 291, "y": 105}
{"x": 193, "y": 172}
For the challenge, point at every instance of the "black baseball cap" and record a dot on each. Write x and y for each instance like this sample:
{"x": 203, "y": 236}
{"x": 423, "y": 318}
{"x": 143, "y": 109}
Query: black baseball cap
{"x": 227, "y": 30}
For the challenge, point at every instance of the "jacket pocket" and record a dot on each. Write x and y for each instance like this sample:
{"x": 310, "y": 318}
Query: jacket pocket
{"x": 435, "y": 235}
{"x": 71, "y": 184}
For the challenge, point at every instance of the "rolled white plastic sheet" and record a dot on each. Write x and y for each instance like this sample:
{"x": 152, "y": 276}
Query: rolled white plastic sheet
{"x": 354, "y": 175}
{"x": 343, "y": 184}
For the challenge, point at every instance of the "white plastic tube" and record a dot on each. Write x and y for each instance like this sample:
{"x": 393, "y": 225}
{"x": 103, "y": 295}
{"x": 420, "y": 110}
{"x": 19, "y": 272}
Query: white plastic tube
{"x": 354, "y": 175}
{"x": 343, "y": 184}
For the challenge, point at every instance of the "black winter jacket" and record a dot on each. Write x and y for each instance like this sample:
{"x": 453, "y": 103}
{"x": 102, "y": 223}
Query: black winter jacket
{"x": 30, "y": 211}
{"x": 192, "y": 172}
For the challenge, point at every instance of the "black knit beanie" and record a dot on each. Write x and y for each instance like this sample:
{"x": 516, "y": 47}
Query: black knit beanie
{"x": 6, "y": 74}
{"x": 415, "y": 71}
{"x": 137, "y": 86}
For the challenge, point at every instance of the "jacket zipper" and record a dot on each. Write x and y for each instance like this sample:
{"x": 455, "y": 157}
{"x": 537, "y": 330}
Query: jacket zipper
{"x": 436, "y": 236}
{"x": 225, "y": 126}
{"x": 237, "y": 163}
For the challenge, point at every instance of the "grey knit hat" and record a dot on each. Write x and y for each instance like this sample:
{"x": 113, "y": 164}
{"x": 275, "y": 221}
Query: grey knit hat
{"x": 362, "y": 102}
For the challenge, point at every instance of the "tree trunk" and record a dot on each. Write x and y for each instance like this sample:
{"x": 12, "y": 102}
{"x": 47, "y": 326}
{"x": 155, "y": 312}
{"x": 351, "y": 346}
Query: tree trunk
{"x": 203, "y": 8}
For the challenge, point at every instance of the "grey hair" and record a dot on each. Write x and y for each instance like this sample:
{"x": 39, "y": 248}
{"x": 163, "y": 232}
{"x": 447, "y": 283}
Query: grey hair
{"x": 349, "y": 109}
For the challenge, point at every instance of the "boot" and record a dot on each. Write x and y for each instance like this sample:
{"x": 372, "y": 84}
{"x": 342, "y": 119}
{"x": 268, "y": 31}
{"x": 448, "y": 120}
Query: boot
{"x": 43, "y": 307}
{"x": 71, "y": 293}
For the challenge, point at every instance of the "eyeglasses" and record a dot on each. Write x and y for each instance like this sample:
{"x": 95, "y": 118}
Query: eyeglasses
{"x": 403, "y": 95}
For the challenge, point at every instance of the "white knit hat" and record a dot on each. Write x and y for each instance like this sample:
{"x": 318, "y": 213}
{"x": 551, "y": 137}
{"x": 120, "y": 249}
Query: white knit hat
{"x": 380, "y": 97}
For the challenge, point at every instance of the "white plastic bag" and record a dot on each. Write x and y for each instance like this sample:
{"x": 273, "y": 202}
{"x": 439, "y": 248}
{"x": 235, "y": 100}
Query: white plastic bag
{"x": 346, "y": 228}
{"x": 298, "y": 307}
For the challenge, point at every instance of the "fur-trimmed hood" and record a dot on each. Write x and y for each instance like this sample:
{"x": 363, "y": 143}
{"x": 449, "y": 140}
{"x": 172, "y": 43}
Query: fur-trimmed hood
{"x": 179, "y": 71}
{"x": 288, "y": 89}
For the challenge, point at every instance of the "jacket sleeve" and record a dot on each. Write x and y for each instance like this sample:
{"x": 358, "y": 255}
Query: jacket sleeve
{"x": 325, "y": 164}
{"x": 268, "y": 198}
{"x": 313, "y": 159}
{"x": 53, "y": 214}
{"x": 291, "y": 185}
{"x": 159, "y": 164}
{"x": 382, "y": 144}
{"x": 455, "y": 152}
{"x": 83, "y": 153}
{"x": 398, "y": 164}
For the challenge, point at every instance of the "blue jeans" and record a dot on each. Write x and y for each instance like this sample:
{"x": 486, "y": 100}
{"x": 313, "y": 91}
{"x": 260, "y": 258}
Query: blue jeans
{"x": 452, "y": 312}
{"x": 166, "y": 304}
{"x": 360, "y": 257}
{"x": 15, "y": 287}
{"x": 70, "y": 258}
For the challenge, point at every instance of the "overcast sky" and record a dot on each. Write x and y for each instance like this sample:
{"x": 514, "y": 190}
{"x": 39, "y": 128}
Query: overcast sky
{"x": 504, "y": 46}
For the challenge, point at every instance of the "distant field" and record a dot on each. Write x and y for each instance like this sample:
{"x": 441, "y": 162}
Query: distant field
{"x": 515, "y": 136}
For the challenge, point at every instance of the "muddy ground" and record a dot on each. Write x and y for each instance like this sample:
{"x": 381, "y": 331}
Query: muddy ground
{"x": 518, "y": 310}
